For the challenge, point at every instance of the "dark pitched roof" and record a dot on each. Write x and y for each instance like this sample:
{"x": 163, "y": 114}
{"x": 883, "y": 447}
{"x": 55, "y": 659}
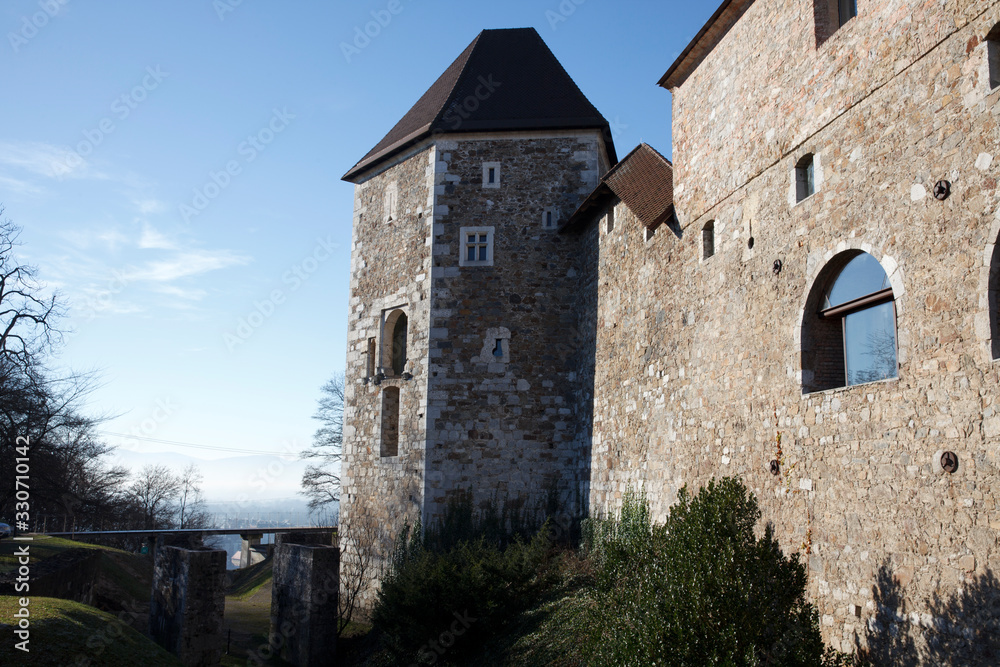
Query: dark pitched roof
{"x": 504, "y": 80}
{"x": 722, "y": 20}
{"x": 643, "y": 180}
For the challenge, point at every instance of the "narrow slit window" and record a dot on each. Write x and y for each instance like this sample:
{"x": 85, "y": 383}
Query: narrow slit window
{"x": 492, "y": 175}
{"x": 611, "y": 219}
{"x": 847, "y": 10}
{"x": 498, "y": 350}
{"x": 390, "y": 422}
{"x": 993, "y": 55}
{"x": 805, "y": 178}
{"x": 371, "y": 358}
{"x": 708, "y": 240}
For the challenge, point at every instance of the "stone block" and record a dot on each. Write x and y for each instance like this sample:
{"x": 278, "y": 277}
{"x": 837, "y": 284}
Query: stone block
{"x": 188, "y": 603}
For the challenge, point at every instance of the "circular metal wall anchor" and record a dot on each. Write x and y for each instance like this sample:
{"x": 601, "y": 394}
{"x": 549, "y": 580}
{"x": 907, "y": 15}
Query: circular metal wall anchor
{"x": 777, "y": 266}
{"x": 775, "y": 467}
{"x": 942, "y": 189}
{"x": 949, "y": 462}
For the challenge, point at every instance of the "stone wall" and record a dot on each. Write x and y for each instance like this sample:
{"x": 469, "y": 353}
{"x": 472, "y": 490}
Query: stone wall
{"x": 188, "y": 603}
{"x": 390, "y": 269}
{"x": 506, "y": 423}
{"x": 304, "y": 603}
{"x": 699, "y": 362}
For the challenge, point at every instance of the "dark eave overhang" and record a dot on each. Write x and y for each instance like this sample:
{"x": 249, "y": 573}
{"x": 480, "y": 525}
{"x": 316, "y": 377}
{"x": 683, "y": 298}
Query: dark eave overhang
{"x": 722, "y": 20}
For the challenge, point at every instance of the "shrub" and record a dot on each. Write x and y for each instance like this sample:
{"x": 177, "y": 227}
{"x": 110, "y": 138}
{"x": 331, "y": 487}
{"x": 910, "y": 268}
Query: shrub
{"x": 455, "y": 586}
{"x": 700, "y": 589}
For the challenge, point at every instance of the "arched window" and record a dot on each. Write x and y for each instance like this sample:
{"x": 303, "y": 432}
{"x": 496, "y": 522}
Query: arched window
{"x": 394, "y": 343}
{"x": 805, "y": 178}
{"x": 849, "y": 327}
{"x": 708, "y": 239}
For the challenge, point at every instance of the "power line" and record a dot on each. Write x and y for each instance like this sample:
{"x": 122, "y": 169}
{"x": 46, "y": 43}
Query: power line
{"x": 194, "y": 446}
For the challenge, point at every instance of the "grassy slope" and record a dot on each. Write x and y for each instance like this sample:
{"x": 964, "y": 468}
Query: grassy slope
{"x": 68, "y": 633}
{"x": 42, "y": 547}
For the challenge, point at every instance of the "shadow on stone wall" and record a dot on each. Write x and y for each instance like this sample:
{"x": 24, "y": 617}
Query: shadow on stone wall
{"x": 960, "y": 629}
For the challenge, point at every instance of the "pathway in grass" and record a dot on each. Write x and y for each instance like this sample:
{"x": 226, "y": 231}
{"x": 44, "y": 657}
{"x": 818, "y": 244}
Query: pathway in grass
{"x": 248, "y": 610}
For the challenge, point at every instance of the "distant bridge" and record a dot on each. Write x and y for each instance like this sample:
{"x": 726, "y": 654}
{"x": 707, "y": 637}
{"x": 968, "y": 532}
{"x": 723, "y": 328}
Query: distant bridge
{"x": 251, "y": 536}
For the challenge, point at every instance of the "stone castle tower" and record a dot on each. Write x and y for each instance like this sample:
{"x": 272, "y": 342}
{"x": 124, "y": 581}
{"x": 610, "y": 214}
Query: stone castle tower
{"x": 463, "y": 336}
{"x": 809, "y": 301}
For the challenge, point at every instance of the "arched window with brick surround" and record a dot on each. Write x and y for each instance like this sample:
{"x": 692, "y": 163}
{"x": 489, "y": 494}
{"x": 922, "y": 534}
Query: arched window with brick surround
{"x": 849, "y": 326}
{"x": 394, "y": 343}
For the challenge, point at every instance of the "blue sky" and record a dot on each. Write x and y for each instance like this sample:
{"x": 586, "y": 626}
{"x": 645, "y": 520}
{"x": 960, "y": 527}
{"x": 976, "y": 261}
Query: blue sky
{"x": 176, "y": 168}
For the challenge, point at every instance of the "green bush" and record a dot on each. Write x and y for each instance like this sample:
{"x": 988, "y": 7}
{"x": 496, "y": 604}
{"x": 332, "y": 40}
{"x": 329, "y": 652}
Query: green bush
{"x": 700, "y": 589}
{"x": 449, "y": 591}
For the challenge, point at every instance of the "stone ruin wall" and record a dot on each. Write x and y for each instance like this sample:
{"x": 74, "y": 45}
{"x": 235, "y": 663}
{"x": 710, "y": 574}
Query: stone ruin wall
{"x": 696, "y": 357}
{"x": 514, "y": 427}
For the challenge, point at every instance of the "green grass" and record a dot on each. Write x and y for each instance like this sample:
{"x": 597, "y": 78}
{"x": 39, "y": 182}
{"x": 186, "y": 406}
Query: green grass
{"x": 245, "y": 583}
{"x": 68, "y": 633}
{"x": 42, "y": 547}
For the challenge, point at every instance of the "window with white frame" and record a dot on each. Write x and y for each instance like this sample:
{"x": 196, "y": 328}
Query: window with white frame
{"x": 491, "y": 174}
{"x": 476, "y": 246}
{"x": 550, "y": 219}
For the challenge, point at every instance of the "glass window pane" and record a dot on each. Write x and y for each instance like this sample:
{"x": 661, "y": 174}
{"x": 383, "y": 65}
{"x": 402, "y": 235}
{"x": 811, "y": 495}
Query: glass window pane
{"x": 482, "y": 238}
{"x": 472, "y": 238}
{"x": 863, "y": 275}
{"x": 870, "y": 344}
{"x": 472, "y": 253}
{"x": 482, "y": 253}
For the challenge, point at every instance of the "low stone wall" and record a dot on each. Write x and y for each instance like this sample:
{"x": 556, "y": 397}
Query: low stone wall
{"x": 304, "y": 598}
{"x": 188, "y": 603}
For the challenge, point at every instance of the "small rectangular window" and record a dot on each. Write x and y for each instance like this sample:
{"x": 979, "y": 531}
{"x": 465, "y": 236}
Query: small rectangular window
{"x": 549, "y": 218}
{"x": 491, "y": 175}
{"x": 708, "y": 240}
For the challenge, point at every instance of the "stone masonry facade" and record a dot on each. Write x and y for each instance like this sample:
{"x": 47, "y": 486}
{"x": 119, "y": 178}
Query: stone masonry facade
{"x": 634, "y": 361}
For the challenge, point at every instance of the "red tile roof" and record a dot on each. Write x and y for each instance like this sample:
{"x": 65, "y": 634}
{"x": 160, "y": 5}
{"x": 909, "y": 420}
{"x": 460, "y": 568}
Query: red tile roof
{"x": 643, "y": 180}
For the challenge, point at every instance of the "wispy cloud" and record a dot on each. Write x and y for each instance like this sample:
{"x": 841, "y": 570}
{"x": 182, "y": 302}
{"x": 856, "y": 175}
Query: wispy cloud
{"x": 189, "y": 294}
{"x": 151, "y": 239}
{"x": 185, "y": 264}
{"x": 43, "y": 159}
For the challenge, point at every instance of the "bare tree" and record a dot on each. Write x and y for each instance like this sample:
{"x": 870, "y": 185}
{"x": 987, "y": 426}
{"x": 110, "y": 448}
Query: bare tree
{"x": 42, "y": 408}
{"x": 361, "y": 549}
{"x": 191, "y": 506}
{"x": 321, "y": 480}
{"x": 154, "y": 493}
